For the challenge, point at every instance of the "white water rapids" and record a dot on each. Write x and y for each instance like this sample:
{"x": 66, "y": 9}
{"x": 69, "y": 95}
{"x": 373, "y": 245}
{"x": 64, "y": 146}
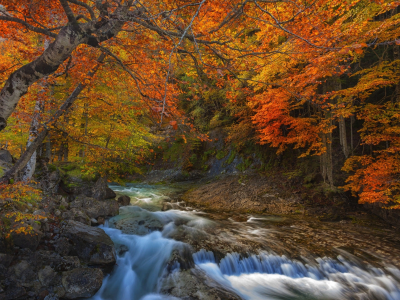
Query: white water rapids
{"x": 142, "y": 261}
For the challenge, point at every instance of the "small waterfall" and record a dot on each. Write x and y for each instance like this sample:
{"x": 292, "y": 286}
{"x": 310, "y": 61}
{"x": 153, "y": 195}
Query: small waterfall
{"x": 270, "y": 276}
{"x": 138, "y": 267}
{"x": 144, "y": 256}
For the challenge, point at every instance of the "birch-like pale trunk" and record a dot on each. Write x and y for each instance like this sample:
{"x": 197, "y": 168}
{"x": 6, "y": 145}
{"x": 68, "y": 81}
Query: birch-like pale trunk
{"x": 26, "y": 156}
{"x": 66, "y": 41}
{"x": 29, "y": 169}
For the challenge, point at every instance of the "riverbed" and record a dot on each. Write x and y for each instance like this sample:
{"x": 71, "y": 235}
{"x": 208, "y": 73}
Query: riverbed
{"x": 184, "y": 253}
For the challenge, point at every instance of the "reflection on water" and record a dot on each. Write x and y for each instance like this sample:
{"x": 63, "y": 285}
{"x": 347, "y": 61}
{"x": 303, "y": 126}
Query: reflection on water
{"x": 259, "y": 274}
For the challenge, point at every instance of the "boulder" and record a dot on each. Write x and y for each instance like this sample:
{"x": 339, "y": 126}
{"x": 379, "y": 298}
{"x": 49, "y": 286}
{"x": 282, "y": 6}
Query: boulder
{"x": 194, "y": 284}
{"x": 101, "y": 208}
{"x": 94, "y": 208}
{"x": 134, "y": 220}
{"x": 90, "y": 244}
{"x": 24, "y": 237}
{"x": 76, "y": 214}
{"x": 124, "y": 200}
{"x": 46, "y": 275}
{"x": 81, "y": 283}
{"x": 101, "y": 191}
{"x": 62, "y": 246}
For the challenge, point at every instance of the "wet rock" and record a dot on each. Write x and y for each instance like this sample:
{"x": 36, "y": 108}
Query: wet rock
{"x": 76, "y": 215}
{"x": 101, "y": 191}
{"x": 81, "y": 283}
{"x": 194, "y": 284}
{"x": 124, "y": 200}
{"x": 166, "y": 206}
{"x": 181, "y": 258}
{"x": 136, "y": 221}
{"x": 121, "y": 249}
{"x": 91, "y": 244}
{"x": 46, "y": 275}
{"x": 102, "y": 208}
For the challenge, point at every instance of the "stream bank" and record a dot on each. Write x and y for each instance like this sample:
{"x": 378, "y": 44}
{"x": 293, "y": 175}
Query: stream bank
{"x": 186, "y": 253}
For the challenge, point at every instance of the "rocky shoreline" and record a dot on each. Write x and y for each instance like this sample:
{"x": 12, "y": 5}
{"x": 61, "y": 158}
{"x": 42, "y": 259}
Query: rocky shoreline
{"x": 64, "y": 256}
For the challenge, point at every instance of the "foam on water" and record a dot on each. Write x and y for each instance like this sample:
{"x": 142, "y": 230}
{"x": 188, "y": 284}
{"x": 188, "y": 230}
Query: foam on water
{"x": 137, "y": 270}
{"x": 254, "y": 277}
{"x": 269, "y": 276}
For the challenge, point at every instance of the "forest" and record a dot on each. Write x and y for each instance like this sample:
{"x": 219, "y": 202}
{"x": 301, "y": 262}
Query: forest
{"x": 110, "y": 91}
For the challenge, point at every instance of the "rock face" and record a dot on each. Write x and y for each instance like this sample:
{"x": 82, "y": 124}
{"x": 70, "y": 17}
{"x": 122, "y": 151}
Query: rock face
{"x": 90, "y": 244}
{"x": 81, "y": 283}
{"x": 124, "y": 200}
{"x": 101, "y": 191}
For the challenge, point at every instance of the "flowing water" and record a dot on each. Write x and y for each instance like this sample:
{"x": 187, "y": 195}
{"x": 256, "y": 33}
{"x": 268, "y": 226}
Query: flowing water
{"x": 262, "y": 257}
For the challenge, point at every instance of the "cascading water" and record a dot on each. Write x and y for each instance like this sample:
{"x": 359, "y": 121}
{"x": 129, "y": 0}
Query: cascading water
{"x": 145, "y": 244}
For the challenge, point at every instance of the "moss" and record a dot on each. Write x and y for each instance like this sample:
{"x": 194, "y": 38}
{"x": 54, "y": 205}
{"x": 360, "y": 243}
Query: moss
{"x": 221, "y": 154}
{"x": 52, "y": 167}
{"x": 231, "y": 158}
{"x": 1, "y": 172}
{"x": 244, "y": 165}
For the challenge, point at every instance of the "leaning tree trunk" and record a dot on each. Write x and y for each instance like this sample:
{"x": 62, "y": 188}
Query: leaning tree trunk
{"x": 29, "y": 169}
{"x": 66, "y": 41}
{"x": 18, "y": 83}
{"x": 26, "y": 156}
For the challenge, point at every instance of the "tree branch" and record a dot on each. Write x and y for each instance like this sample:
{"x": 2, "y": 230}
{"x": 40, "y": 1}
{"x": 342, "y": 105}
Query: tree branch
{"x": 28, "y": 26}
{"x": 88, "y": 8}
{"x": 68, "y": 11}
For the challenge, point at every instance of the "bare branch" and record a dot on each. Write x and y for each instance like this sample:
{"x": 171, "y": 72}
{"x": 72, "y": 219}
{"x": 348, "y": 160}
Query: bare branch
{"x": 68, "y": 11}
{"x": 28, "y": 26}
{"x": 88, "y": 8}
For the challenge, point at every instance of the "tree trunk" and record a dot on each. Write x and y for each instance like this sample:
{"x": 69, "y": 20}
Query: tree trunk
{"x": 48, "y": 148}
{"x": 26, "y": 156}
{"x": 29, "y": 169}
{"x": 67, "y": 40}
{"x": 18, "y": 83}
{"x": 396, "y": 54}
{"x": 343, "y": 136}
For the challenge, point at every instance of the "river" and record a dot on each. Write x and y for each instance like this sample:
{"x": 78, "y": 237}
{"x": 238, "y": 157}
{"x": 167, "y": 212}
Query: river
{"x": 187, "y": 254}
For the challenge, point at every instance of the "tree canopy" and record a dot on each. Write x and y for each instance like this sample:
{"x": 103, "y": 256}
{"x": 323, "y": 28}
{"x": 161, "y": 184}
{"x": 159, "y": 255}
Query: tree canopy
{"x": 96, "y": 80}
